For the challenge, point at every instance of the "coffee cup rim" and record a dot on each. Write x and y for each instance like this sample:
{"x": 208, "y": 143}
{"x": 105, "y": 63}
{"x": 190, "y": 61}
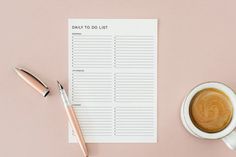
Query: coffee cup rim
{"x": 216, "y": 85}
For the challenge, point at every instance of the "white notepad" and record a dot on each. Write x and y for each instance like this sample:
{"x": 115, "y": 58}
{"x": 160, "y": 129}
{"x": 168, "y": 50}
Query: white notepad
{"x": 113, "y": 79}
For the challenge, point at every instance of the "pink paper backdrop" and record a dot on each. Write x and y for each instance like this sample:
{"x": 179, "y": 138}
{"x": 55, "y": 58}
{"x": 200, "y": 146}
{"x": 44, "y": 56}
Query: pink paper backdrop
{"x": 196, "y": 44}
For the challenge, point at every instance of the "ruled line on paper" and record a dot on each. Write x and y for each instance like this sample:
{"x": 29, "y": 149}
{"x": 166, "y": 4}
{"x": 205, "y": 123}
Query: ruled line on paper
{"x": 93, "y": 122}
{"x": 91, "y": 87}
{"x": 135, "y": 52}
{"x": 134, "y": 121}
{"x": 91, "y": 54}
{"x": 133, "y": 87}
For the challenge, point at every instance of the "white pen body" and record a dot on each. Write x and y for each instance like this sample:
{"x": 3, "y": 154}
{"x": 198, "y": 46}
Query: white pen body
{"x": 64, "y": 97}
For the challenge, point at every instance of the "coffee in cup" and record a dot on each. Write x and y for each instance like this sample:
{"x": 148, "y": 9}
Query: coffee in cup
{"x": 209, "y": 112}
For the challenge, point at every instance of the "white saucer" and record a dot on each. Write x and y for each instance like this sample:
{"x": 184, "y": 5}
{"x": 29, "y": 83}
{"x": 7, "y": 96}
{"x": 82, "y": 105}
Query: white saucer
{"x": 184, "y": 123}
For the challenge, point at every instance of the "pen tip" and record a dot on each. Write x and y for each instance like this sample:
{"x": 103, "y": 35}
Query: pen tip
{"x": 59, "y": 85}
{"x": 17, "y": 69}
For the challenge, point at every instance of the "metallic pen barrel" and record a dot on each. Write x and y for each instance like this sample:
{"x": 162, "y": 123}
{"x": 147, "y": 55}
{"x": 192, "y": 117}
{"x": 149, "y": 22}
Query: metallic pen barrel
{"x": 73, "y": 119}
{"x": 33, "y": 81}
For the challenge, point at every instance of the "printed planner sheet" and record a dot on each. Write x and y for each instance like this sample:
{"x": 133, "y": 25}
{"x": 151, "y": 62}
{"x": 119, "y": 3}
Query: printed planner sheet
{"x": 113, "y": 79}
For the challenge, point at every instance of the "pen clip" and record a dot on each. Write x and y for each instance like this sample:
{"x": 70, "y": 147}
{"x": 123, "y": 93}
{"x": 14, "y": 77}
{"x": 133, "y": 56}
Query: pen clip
{"x": 36, "y": 78}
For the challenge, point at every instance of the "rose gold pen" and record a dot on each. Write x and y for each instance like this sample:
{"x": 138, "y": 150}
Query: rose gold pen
{"x": 33, "y": 81}
{"x": 73, "y": 119}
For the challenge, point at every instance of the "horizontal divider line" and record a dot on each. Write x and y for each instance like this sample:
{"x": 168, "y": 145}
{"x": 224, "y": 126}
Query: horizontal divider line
{"x": 90, "y": 64}
{"x": 74, "y": 51}
{"x": 134, "y": 129}
{"x": 136, "y": 55}
{"x": 90, "y": 47}
{"x": 81, "y": 97}
{"x": 92, "y": 41}
{"x": 134, "y": 78}
{"x": 137, "y": 97}
{"x": 96, "y": 111}
{"x": 133, "y": 63}
{"x": 141, "y": 95}
{"x": 83, "y": 74}
{"x": 95, "y": 61}
{"x": 132, "y": 90}
{"x": 97, "y": 126}
{"x": 91, "y": 101}
{"x": 134, "y": 74}
{"x": 138, "y": 135}
{"x": 133, "y": 83}
{"x": 134, "y": 47}
{"x": 131, "y": 107}
{"x": 92, "y": 79}
{"x": 133, "y": 121}
{"x": 129, "y": 67}
{"x": 150, "y": 124}
{"x": 77, "y": 52}
{"x": 136, "y": 117}
{"x": 87, "y": 54}
{"x": 92, "y": 119}
{"x": 134, "y": 111}
{"x": 95, "y": 88}
{"x": 94, "y": 115}
{"x": 95, "y": 122}
{"x": 78, "y": 86}
{"x": 134, "y": 39}
{"x": 88, "y": 35}
{"x": 91, "y": 38}
{"x": 85, "y": 96}
{"x": 147, "y": 55}
{"x": 123, "y": 101}
{"x": 94, "y": 73}
{"x": 77, "y": 49}
{"x": 91, "y": 92}
{"x": 128, "y": 80}
{"x": 92, "y": 109}
{"x": 133, "y": 50}
{"x": 134, "y": 59}
{"x": 99, "y": 111}
{"x": 92, "y": 67}
{"x": 80, "y": 89}
{"x": 76, "y": 55}
{"x": 132, "y": 36}
{"x": 129, "y": 42}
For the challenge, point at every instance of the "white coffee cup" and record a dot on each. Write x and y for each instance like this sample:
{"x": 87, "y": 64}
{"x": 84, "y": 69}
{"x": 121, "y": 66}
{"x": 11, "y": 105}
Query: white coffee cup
{"x": 228, "y": 135}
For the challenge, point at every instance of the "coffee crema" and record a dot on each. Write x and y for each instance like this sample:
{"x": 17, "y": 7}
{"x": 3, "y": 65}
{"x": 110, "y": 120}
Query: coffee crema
{"x": 211, "y": 110}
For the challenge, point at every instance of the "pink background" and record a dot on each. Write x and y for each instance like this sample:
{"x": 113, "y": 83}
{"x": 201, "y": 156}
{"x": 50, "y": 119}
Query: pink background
{"x": 196, "y": 44}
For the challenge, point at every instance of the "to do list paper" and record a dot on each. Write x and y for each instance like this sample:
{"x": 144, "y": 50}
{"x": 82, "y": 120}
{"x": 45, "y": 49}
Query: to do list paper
{"x": 113, "y": 79}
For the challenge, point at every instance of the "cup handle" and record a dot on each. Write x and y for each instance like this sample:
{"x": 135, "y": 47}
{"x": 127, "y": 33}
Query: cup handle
{"x": 230, "y": 140}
